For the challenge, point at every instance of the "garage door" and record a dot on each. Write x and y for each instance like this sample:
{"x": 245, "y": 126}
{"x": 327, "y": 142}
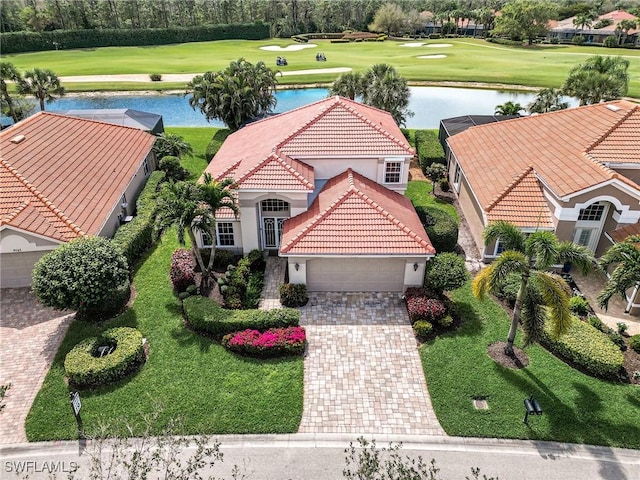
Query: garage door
{"x": 15, "y": 269}
{"x": 355, "y": 275}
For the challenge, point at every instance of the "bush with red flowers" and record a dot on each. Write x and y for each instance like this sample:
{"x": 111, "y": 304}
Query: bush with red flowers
{"x": 274, "y": 342}
{"x": 182, "y": 271}
{"x": 424, "y": 308}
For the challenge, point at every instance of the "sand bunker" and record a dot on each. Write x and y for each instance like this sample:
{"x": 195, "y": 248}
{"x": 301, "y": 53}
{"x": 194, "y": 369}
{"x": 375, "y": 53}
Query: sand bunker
{"x": 288, "y": 48}
{"x": 439, "y": 45}
{"x": 432, "y": 56}
{"x": 412, "y": 44}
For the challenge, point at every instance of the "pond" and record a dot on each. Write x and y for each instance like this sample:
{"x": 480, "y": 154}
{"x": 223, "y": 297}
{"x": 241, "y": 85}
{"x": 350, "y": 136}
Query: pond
{"x": 429, "y": 104}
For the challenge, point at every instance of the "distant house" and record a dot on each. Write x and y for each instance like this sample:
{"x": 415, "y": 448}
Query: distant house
{"x": 127, "y": 117}
{"x": 565, "y": 30}
{"x": 62, "y": 178}
{"x": 322, "y": 186}
{"x": 575, "y": 172}
{"x": 452, "y": 126}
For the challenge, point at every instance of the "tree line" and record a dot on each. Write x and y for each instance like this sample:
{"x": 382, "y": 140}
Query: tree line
{"x": 285, "y": 17}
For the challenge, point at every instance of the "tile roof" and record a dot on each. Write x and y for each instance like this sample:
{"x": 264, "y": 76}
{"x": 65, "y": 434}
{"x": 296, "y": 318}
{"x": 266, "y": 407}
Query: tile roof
{"x": 353, "y": 215}
{"x": 334, "y": 126}
{"x": 566, "y": 149}
{"x": 76, "y": 168}
{"x": 620, "y": 234}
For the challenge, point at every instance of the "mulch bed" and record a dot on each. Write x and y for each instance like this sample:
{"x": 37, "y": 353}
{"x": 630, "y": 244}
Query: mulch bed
{"x": 632, "y": 363}
{"x": 517, "y": 361}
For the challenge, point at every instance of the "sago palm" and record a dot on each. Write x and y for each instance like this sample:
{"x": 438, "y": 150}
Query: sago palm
{"x": 626, "y": 256}
{"x": 542, "y": 295}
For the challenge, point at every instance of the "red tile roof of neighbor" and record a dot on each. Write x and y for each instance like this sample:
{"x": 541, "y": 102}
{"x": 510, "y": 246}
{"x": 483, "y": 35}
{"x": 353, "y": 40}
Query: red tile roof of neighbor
{"x": 353, "y": 215}
{"x": 620, "y": 234}
{"x": 566, "y": 150}
{"x": 67, "y": 174}
{"x": 266, "y": 154}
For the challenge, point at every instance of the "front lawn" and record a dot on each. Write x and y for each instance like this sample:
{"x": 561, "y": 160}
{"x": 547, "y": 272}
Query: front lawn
{"x": 186, "y": 375}
{"x": 419, "y": 192}
{"x": 577, "y": 408}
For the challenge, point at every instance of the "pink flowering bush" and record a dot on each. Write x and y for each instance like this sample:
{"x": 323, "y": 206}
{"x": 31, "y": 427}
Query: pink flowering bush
{"x": 419, "y": 292}
{"x": 271, "y": 343}
{"x": 182, "y": 272}
{"x": 424, "y": 308}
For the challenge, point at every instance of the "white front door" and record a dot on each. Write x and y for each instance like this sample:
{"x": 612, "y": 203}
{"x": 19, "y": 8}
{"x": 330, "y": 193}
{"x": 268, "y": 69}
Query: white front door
{"x": 272, "y": 232}
{"x": 589, "y": 225}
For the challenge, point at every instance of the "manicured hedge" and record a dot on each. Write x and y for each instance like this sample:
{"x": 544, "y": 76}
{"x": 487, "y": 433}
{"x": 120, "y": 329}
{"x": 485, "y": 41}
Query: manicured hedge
{"x": 241, "y": 285}
{"x": 293, "y": 294}
{"x": 634, "y": 343}
{"x": 135, "y": 237}
{"x": 428, "y": 148}
{"x": 587, "y": 347}
{"x": 18, "y": 42}
{"x": 207, "y": 316}
{"x": 441, "y": 228}
{"x": 275, "y": 342}
{"x": 216, "y": 142}
{"x": 85, "y": 369}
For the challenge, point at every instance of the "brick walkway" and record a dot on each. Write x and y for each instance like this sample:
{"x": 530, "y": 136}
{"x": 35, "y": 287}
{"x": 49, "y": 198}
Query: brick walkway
{"x": 29, "y": 339}
{"x": 362, "y": 369}
{"x": 273, "y": 278}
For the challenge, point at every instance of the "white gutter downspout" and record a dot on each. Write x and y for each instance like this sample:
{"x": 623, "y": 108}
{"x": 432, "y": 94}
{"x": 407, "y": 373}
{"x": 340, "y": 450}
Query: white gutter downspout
{"x": 632, "y": 298}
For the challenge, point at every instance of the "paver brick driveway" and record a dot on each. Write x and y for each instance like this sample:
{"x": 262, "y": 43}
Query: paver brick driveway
{"x": 362, "y": 372}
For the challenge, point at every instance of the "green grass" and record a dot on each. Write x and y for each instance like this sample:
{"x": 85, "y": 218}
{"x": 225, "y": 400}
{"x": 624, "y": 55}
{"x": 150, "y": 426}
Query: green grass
{"x": 186, "y": 375}
{"x": 419, "y": 192}
{"x": 469, "y": 60}
{"x": 577, "y": 408}
{"x": 199, "y": 138}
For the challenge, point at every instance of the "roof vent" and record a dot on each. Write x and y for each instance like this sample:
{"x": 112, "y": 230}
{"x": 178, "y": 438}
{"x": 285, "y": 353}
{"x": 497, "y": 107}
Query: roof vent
{"x": 614, "y": 108}
{"x": 17, "y": 139}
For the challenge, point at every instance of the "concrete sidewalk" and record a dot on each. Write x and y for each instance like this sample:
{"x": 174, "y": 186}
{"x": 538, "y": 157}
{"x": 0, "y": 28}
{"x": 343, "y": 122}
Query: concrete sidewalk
{"x": 322, "y": 456}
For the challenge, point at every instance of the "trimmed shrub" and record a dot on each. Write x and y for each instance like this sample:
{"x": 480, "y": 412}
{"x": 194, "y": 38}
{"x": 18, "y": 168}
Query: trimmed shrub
{"x": 423, "y": 308}
{"x": 618, "y": 340}
{"x": 446, "y": 272}
{"x": 586, "y": 347}
{"x": 293, "y": 294}
{"x": 596, "y": 322}
{"x": 611, "y": 41}
{"x": 428, "y": 149}
{"x": 422, "y": 328}
{"x": 622, "y": 328}
{"x": 222, "y": 260}
{"x": 241, "y": 285}
{"x": 579, "y": 306}
{"x": 444, "y": 185}
{"x": 441, "y": 227}
{"x": 446, "y": 321}
{"x": 155, "y": 77}
{"x": 216, "y": 142}
{"x": 634, "y": 343}
{"x": 171, "y": 166}
{"x": 578, "y": 40}
{"x": 85, "y": 368}
{"x": 275, "y": 342}
{"x": 18, "y": 42}
{"x": 205, "y": 315}
{"x": 136, "y": 237}
{"x": 183, "y": 270}
{"x": 419, "y": 292}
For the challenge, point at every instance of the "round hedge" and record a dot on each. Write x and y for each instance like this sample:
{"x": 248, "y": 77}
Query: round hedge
{"x": 441, "y": 228}
{"x": 86, "y": 370}
{"x": 634, "y": 342}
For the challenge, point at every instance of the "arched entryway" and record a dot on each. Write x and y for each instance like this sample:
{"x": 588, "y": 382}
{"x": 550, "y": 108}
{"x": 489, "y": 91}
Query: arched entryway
{"x": 273, "y": 213}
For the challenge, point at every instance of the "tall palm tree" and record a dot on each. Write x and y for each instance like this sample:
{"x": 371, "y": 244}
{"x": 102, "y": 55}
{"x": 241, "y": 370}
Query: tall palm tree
{"x": 216, "y": 195}
{"x": 508, "y": 108}
{"x": 347, "y": 85}
{"x": 383, "y": 88}
{"x": 9, "y": 73}
{"x": 42, "y": 84}
{"x": 547, "y": 100}
{"x": 622, "y": 29}
{"x": 530, "y": 257}
{"x": 598, "y": 78}
{"x": 583, "y": 20}
{"x": 626, "y": 256}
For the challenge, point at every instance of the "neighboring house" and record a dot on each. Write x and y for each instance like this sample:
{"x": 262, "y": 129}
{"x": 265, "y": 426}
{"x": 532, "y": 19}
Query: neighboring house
{"x": 323, "y": 186}
{"x": 575, "y": 172}
{"x": 452, "y": 126}
{"x": 633, "y": 294}
{"x": 62, "y": 178}
{"x": 149, "y": 122}
{"x": 565, "y": 30}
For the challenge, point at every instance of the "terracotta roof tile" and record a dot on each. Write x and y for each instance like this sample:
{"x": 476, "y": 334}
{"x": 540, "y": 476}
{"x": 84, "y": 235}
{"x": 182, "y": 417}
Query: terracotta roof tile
{"x": 620, "y": 144}
{"x": 353, "y": 215}
{"x": 277, "y": 173}
{"x": 619, "y": 234}
{"x": 81, "y": 167}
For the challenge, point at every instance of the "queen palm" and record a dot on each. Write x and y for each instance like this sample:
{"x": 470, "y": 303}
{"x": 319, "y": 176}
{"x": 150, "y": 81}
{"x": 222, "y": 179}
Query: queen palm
{"x": 598, "y": 78}
{"x": 508, "y": 108}
{"x": 42, "y": 84}
{"x": 625, "y": 256}
{"x": 9, "y": 73}
{"x": 542, "y": 295}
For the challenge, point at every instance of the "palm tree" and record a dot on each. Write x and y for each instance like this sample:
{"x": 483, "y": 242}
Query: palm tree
{"x": 216, "y": 195}
{"x": 508, "y": 108}
{"x": 235, "y": 95}
{"x": 383, "y": 88}
{"x": 547, "y": 100}
{"x": 180, "y": 204}
{"x": 622, "y": 29}
{"x": 9, "y": 73}
{"x": 626, "y": 256}
{"x": 583, "y": 20}
{"x": 530, "y": 257}
{"x": 598, "y": 78}
{"x": 42, "y": 84}
{"x": 347, "y": 85}
{"x": 171, "y": 144}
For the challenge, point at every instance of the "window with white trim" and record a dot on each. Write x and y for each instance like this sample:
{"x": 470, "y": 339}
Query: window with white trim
{"x": 273, "y": 205}
{"x": 456, "y": 176}
{"x": 145, "y": 165}
{"x": 499, "y": 248}
{"x": 392, "y": 172}
{"x": 224, "y": 235}
{"x": 593, "y": 213}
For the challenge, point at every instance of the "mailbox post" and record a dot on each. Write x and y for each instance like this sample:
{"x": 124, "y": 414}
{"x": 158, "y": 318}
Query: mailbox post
{"x": 76, "y": 405}
{"x": 531, "y": 407}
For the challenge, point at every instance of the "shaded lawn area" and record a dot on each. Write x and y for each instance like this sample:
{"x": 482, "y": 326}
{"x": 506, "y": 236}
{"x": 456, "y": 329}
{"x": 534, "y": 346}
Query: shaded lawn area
{"x": 577, "y": 408}
{"x": 419, "y": 192}
{"x": 186, "y": 375}
{"x": 199, "y": 138}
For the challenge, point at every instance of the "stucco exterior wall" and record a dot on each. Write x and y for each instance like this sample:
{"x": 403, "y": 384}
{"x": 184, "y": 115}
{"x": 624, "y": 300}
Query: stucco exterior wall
{"x": 472, "y": 212}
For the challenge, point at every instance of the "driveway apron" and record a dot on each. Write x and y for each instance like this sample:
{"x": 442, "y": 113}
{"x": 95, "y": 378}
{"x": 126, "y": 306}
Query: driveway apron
{"x": 30, "y": 335}
{"x": 362, "y": 370}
